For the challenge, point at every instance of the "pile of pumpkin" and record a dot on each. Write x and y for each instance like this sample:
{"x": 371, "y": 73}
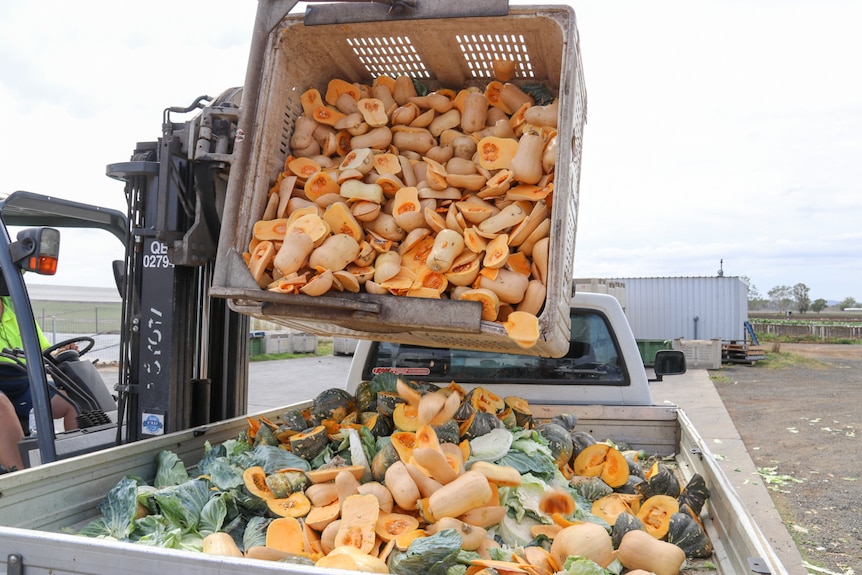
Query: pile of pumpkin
{"x": 351, "y": 513}
{"x": 439, "y": 195}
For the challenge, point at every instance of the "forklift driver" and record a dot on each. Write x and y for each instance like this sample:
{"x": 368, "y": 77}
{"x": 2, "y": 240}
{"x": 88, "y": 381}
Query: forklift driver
{"x": 13, "y": 380}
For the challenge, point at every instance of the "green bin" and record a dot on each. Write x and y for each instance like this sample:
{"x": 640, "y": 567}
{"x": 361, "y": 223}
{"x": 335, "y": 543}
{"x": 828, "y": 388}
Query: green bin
{"x": 255, "y": 345}
{"x": 649, "y": 347}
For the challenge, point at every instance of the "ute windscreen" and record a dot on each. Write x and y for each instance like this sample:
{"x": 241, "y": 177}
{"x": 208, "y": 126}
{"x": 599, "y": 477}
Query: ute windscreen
{"x": 593, "y": 358}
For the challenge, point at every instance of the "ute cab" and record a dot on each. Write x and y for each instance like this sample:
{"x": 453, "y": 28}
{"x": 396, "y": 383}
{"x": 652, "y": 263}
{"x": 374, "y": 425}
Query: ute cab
{"x": 603, "y": 365}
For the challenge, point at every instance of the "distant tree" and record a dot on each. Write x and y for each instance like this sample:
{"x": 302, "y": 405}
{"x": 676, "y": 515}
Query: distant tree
{"x": 819, "y": 305}
{"x": 782, "y": 296}
{"x": 753, "y": 293}
{"x": 848, "y": 302}
{"x": 755, "y": 300}
{"x": 800, "y": 296}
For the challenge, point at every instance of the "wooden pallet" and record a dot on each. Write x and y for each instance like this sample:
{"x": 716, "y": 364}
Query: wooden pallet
{"x": 741, "y": 352}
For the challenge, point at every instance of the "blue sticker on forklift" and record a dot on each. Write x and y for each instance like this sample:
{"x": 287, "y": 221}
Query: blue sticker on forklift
{"x": 153, "y": 424}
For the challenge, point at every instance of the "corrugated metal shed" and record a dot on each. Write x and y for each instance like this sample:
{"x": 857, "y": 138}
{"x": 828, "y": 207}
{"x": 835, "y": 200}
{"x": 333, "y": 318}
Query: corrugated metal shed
{"x": 665, "y": 308}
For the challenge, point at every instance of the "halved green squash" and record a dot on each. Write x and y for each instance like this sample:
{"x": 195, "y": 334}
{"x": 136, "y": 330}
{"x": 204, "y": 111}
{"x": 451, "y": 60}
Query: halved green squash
{"x": 448, "y": 432}
{"x": 655, "y": 514}
{"x": 254, "y": 479}
{"x": 659, "y": 480}
{"x": 478, "y": 424}
{"x": 689, "y": 535}
{"x": 624, "y": 523}
{"x": 387, "y": 401}
{"x": 695, "y": 493}
{"x": 484, "y": 400}
{"x": 559, "y": 441}
{"x": 406, "y": 417}
{"x": 332, "y": 403}
{"x": 366, "y": 399}
{"x": 382, "y": 460}
{"x": 378, "y": 424}
{"x": 521, "y": 408}
{"x": 283, "y": 483}
{"x": 310, "y": 442}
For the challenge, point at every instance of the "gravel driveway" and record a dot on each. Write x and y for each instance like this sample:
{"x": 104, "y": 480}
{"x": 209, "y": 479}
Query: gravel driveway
{"x": 800, "y": 426}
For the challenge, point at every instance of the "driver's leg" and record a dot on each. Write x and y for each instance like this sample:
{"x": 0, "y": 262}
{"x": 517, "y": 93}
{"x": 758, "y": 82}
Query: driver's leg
{"x": 10, "y": 434}
{"x": 62, "y": 409}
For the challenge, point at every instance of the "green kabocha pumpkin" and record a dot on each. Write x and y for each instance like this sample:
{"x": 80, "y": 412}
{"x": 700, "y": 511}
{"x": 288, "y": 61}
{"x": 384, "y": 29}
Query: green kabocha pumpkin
{"x": 378, "y": 424}
{"x": 448, "y": 432}
{"x": 689, "y": 535}
{"x": 382, "y": 460}
{"x": 484, "y": 400}
{"x": 624, "y": 523}
{"x": 580, "y": 441}
{"x": 559, "y": 442}
{"x": 590, "y": 488}
{"x": 567, "y": 421}
{"x": 387, "y": 401}
{"x": 630, "y": 486}
{"x": 521, "y": 408}
{"x": 332, "y": 404}
{"x": 283, "y": 483}
{"x": 265, "y": 436}
{"x": 292, "y": 422}
{"x": 507, "y": 416}
{"x": 659, "y": 480}
{"x": 366, "y": 399}
{"x": 478, "y": 424}
{"x": 464, "y": 411}
{"x": 309, "y": 443}
{"x": 695, "y": 493}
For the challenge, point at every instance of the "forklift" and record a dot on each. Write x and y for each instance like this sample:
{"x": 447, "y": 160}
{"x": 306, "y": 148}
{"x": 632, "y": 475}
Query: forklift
{"x": 183, "y": 358}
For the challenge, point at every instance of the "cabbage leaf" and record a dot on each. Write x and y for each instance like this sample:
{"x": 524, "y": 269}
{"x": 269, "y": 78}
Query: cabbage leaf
{"x": 432, "y": 555}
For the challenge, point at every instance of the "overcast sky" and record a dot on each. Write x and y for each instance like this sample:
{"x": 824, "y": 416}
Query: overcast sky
{"x": 717, "y": 130}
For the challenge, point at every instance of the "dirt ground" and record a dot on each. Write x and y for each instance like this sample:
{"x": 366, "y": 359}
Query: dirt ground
{"x": 800, "y": 423}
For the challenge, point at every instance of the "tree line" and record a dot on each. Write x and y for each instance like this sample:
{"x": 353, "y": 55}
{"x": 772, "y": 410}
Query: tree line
{"x": 785, "y": 298}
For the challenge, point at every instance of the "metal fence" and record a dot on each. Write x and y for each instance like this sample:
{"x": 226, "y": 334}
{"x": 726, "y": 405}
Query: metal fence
{"x": 100, "y": 322}
{"x": 823, "y": 332}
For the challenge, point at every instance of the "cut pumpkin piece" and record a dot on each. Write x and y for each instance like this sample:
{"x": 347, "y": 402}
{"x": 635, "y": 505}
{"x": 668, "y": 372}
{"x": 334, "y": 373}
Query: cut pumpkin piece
{"x": 406, "y": 417}
{"x": 327, "y": 115}
{"x": 294, "y": 505}
{"x": 404, "y": 443}
{"x": 373, "y": 112}
{"x": 602, "y": 460}
{"x": 336, "y": 87}
{"x": 489, "y": 300}
{"x": 310, "y": 100}
{"x": 303, "y": 168}
{"x": 496, "y": 153}
{"x": 523, "y": 328}
{"x": 285, "y": 534}
{"x": 392, "y": 525}
{"x": 359, "y": 514}
{"x": 255, "y": 482}
{"x": 261, "y": 257}
{"x": 655, "y": 514}
{"x": 319, "y": 184}
{"x": 611, "y": 506}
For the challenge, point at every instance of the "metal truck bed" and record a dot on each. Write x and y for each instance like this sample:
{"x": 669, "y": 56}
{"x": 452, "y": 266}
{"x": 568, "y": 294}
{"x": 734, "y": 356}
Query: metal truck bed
{"x": 36, "y": 505}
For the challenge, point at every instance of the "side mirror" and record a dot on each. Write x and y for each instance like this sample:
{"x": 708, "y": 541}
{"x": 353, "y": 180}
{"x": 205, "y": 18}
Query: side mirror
{"x": 37, "y": 250}
{"x": 668, "y": 362}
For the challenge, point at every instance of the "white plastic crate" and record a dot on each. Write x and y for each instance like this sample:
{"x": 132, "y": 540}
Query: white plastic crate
{"x": 700, "y": 353}
{"x": 441, "y": 53}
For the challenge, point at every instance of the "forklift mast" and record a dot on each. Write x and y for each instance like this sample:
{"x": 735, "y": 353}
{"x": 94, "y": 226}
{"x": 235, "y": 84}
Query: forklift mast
{"x": 183, "y": 355}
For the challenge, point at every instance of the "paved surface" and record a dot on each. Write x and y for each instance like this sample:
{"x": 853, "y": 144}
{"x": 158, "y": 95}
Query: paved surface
{"x": 282, "y": 382}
